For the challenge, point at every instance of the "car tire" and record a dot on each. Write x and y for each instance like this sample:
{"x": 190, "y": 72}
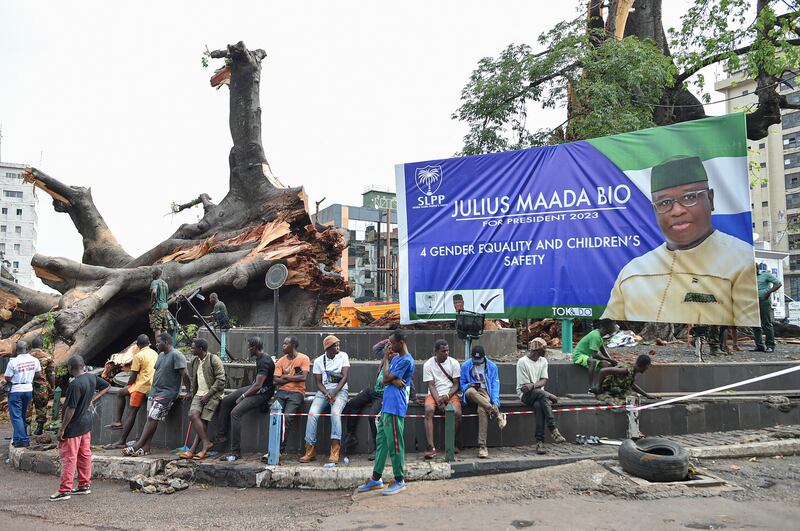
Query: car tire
{"x": 654, "y": 459}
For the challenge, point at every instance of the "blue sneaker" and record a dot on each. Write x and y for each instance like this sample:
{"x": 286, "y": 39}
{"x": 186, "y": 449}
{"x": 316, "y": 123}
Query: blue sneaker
{"x": 394, "y": 488}
{"x": 371, "y": 484}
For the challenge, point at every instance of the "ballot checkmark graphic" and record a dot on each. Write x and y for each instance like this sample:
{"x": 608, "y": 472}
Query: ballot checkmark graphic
{"x": 486, "y": 304}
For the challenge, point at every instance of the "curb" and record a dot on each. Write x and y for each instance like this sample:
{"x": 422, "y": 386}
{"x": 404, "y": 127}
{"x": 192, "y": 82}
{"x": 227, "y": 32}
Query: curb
{"x": 346, "y": 477}
{"x": 756, "y": 449}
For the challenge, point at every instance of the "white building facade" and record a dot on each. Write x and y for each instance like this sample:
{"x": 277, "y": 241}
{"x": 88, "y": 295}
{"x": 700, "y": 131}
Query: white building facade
{"x": 18, "y": 223}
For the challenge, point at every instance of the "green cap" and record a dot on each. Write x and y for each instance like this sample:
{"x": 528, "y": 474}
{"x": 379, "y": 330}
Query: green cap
{"x": 677, "y": 171}
{"x": 458, "y": 297}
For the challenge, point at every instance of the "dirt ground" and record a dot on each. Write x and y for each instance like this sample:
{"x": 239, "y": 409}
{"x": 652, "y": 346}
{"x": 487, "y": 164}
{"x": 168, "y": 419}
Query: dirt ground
{"x": 582, "y": 495}
{"x": 681, "y": 352}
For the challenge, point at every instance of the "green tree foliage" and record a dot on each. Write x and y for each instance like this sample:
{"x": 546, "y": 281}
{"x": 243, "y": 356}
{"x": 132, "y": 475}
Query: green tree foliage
{"x": 611, "y": 86}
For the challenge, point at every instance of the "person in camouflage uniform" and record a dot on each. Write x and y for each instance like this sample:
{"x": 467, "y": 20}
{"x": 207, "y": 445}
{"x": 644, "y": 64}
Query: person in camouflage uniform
{"x": 42, "y": 386}
{"x": 617, "y": 383}
{"x": 159, "y": 312}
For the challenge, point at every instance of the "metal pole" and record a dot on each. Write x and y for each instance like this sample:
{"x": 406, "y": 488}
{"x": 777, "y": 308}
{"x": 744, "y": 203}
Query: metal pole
{"x": 449, "y": 433}
{"x": 275, "y": 433}
{"x": 566, "y": 336}
{"x": 378, "y": 259}
{"x": 275, "y": 294}
{"x": 388, "y": 251}
{"x": 205, "y": 323}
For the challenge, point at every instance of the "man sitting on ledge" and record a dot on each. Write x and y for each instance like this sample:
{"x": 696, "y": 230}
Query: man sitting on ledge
{"x": 531, "y": 378}
{"x": 253, "y": 397}
{"x": 480, "y": 385}
{"x": 208, "y": 383}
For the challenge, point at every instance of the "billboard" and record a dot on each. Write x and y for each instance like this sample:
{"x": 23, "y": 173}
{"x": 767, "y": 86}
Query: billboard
{"x": 653, "y": 225}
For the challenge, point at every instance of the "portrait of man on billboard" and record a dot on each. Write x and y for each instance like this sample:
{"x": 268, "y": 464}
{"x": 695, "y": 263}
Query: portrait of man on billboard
{"x": 699, "y": 275}
{"x": 458, "y": 303}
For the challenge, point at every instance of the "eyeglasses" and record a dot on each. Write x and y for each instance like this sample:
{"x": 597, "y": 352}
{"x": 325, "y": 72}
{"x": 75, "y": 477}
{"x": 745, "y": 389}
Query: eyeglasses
{"x": 689, "y": 199}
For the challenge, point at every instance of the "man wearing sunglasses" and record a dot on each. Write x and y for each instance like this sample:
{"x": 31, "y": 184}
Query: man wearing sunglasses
{"x": 699, "y": 275}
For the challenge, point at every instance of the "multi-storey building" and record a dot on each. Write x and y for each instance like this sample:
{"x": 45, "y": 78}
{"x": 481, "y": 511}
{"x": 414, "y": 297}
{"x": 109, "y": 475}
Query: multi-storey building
{"x": 364, "y": 261}
{"x": 18, "y": 223}
{"x": 774, "y": 183}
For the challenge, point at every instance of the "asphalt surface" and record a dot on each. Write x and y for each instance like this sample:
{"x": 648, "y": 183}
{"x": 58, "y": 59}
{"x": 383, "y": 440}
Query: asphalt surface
{"x": 568, "y": 497}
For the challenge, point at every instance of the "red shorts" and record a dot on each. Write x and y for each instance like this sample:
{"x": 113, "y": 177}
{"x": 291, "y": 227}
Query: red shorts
{"x": 137, "y": 398}
{"x": 455, "y": 400}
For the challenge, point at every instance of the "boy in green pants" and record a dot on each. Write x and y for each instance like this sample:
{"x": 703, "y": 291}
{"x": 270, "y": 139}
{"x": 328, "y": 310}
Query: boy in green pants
{"x": 397, "y": 379}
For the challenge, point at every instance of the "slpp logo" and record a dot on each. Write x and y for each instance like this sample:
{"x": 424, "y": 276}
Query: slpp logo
{"x": 428, "y": 180}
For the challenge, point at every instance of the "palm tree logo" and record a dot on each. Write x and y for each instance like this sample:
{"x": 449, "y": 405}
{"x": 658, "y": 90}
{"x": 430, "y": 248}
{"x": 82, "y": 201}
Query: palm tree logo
{"x": 429, "y": 179}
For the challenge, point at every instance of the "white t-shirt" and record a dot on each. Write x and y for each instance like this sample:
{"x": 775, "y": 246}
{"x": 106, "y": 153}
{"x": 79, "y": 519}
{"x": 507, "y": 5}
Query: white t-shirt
{"x": 331, "y": 369}
{"x": 479, "y": 371}
{"x": 529, "y": 371}
{"x": 22, "y": 369}
{"x": 432, "y": 373}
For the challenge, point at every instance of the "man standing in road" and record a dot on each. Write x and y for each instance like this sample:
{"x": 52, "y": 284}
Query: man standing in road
{"x": 43, "y": 382}
{"x": 331, "y": 370}
{"x": 75, "y": 435}
{"x": 531, "y": 378}
{"x": 20, "y": 372}
{"x": 480, "y": 386}
{"x": 170, "y": 373}
{"x": 159, "y": 309}
{"x": 208, "y": 382}
{"x": 442, "y": 374}
{"x": 767, "y": 285}
{"x": 255, "y": 396}
{"x": 371, "y": 397}
{"x": 397, "y": 376}
{"x": 290, "y": 380}
{"x": 143, "y": 367}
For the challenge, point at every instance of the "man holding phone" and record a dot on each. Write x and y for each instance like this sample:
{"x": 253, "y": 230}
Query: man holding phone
{"x": 290, "y": 382}
{"x": 480, "y": 386}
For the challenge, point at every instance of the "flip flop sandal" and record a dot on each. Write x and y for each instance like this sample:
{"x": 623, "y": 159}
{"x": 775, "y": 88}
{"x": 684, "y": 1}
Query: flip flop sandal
{"x": 113, "y": 446}
{"x": 113, "y": 426}
{"x": 186, "y": 455}
{"x": 200, "y": 456}
{"x": 128, "y": 451}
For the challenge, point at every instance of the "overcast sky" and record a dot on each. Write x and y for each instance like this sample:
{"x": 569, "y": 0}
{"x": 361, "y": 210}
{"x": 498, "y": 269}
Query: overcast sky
{"x": 113, "y": 96}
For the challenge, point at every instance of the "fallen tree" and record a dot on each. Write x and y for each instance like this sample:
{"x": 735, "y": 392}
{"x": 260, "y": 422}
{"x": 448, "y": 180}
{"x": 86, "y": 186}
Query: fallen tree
{"x": 104, "y": 299}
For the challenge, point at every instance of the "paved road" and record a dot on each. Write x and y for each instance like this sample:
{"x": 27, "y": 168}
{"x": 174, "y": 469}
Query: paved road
{"x": 579, "y": 496}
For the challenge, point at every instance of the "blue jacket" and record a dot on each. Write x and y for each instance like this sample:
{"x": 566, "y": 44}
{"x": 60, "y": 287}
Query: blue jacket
{"x": 492, "y": 381}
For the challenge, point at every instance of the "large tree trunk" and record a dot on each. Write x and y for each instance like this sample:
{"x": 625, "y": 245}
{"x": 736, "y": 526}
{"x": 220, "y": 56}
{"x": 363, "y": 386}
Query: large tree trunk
{"x": 257, "y": 224}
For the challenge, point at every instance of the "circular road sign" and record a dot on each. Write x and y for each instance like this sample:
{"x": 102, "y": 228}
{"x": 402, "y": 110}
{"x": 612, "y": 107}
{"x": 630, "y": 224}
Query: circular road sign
{"x": 276, "y": 276}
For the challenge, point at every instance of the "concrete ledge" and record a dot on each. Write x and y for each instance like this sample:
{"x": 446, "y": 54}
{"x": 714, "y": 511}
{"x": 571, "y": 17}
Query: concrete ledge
{"x": 103, "y": 466}
{"x": 755, "y": 449}
{"x": 480, "y": 468}
{"x": 319, "y": 478}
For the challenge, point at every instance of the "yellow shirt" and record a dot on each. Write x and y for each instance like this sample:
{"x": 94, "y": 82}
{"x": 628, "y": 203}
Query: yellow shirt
{"x": 713, "y": 283}
{"x": 144, "y": 362}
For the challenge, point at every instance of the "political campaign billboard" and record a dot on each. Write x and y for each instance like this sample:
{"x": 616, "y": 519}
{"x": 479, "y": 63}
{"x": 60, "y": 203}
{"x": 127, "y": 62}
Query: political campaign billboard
{"x": 652, "y": 225}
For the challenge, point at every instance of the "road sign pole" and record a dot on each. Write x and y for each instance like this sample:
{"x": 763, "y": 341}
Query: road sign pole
{"x": 275, "y": 307}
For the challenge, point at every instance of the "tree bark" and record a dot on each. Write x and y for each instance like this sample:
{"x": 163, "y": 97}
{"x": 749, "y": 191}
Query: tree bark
{"x": 105, "y": 299}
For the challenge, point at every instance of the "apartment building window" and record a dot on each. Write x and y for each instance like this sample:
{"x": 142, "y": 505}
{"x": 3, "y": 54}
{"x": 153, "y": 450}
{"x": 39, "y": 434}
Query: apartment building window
{"x": 2, "y": 247}
{"x": 17, "y": 248}
{"x": 792, "y": 180}
{"x": 17, "y": 230}
{"x": 791, "y": 120}
{"x": 11, "y": 174}
{"x": 12, "y": 193}
{"x": 793, "y": 98}
{"x": 765, "y": 224}
{"x": 791, "y": 141}
{"x": 763, "y": 164}
{"x": 764, "y": 184}
{"x": 2, "y": 228}
{"x": 791, "y": 162}
{"x": 762, "y": 145}
{"x": 19, "y": 211}
{"x": 15, "y": 264}
{"x": 5, "y": 210}
{"x": 764, "y": 203}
